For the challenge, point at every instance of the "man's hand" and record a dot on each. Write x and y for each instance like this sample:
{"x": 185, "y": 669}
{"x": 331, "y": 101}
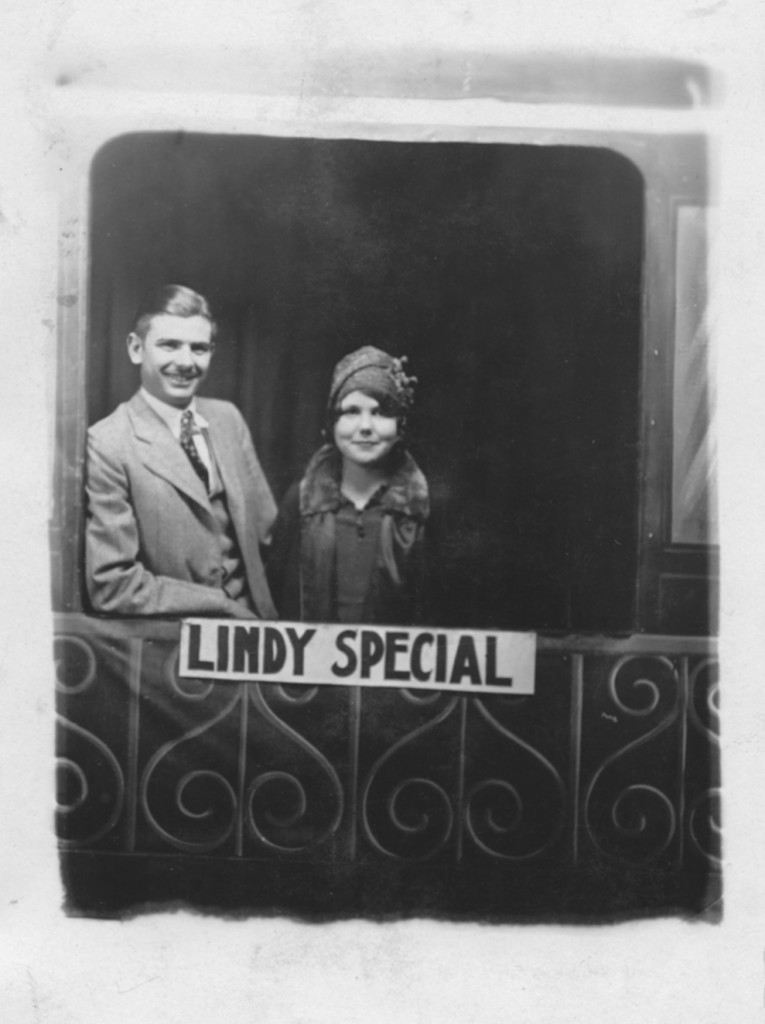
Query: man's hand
{"x": 238, "y": 611}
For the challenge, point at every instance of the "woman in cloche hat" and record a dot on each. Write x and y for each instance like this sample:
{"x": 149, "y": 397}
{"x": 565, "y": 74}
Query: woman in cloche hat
{"x": 349, "y": 539}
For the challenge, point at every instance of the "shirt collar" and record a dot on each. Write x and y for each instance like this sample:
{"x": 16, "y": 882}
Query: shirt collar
{"x": 171, "y": 415}
{"x": 376, "y": 499}
{"x": 406, "y": 492}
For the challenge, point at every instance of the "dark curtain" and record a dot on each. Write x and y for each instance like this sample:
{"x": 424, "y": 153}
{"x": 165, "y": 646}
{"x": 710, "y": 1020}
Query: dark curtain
{"x": 509, "y": 275}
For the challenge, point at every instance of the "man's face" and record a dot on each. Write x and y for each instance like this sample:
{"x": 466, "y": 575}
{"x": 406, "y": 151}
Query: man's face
{"x": 174, "y": 356}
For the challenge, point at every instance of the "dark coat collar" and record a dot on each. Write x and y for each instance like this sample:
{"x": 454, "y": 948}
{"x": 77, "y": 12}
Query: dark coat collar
{"x": 406, "y": 493}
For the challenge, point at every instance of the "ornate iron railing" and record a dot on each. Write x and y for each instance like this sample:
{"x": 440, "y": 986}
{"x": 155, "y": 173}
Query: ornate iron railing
{"x": 612, "y": 764}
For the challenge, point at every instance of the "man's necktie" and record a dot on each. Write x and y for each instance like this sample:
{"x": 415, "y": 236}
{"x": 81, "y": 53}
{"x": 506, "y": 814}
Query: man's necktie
{"x": 187, "y": 443}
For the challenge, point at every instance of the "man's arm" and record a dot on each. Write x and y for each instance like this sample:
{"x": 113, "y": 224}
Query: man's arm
{"x": 118, "y": 583}
{"x": 283, "y": 560}
{"x": 264, "y": 500}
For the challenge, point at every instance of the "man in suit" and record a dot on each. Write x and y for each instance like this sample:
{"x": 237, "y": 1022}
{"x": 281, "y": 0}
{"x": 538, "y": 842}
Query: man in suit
{"x": 178, "y": 506}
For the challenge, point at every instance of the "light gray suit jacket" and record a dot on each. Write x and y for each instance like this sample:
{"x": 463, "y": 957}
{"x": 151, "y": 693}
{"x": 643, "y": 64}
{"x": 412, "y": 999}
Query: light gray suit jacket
{"x": 151, "y": 539}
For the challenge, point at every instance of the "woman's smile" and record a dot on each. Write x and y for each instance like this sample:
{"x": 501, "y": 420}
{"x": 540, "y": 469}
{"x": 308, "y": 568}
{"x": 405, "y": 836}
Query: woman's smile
{"x": 363, "y": 433}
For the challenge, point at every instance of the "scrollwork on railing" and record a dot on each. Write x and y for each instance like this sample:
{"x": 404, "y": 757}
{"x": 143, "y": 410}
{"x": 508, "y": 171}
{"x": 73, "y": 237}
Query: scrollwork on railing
{"x": 492, "y": 821}
{"x": 637, "y": 820}
{"x": 184, "y": 785}
{"x": 419, "y": 814}
{"x": 66, "y": 650}
{"x": 421, "y": 698}
{"x": 206, "y": 786}
{"x": 704, "y": 825}
{"x": 704, "y": 706}
{"x": 625, "y": 759}
{"x": 630, "y": 813}
{"x": 287, "y": 818}
{"x": 647, "y": 689}
{"x": 495, "y": 809}
{"x": 293, "y": 830}
{"x": 68, "y": 806}
{"x": 296, "y": 693}
{"x": 95, "y": 808}
{"x": 189, "y": 689}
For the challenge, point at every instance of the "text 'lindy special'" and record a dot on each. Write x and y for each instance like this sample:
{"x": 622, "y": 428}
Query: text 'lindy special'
{"x": 472, "y": 661}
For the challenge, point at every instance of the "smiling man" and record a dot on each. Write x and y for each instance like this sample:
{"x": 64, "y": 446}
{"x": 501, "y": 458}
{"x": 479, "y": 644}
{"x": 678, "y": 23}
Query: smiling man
{"x": 178, "y": 506}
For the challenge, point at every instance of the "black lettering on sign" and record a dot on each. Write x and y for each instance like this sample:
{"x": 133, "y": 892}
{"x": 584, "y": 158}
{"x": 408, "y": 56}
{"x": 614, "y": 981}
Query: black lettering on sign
{"x": 440, "y": 658}
{"x": 372, "y": 649}
{"x": 492, "y": 679}
{"x": 195, "y": 662}
{"x": 418, "y": 671}
{"x": 343, "y": 644}
{"x": 299, "y": 644}
{"x": 395, "y": 643}
{"x": 274, "y": 651}
{"x": 222, "y": 648}
{"x": 246, "y": 644}
{"x": 466, "y": 662}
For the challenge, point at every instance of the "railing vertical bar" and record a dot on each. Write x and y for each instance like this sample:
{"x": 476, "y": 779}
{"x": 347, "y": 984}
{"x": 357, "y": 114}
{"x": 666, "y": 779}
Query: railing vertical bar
{"x": 134, "y": 690}
{"x": 354, "y": 708}
{"x": 244, "y": 692}
{"x": 682, "y": 758}
{"x": 461, "y": 777}
{"x": 575, "y": 763}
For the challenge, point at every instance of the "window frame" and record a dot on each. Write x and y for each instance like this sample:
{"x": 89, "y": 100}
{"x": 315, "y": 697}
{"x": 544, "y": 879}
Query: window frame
{"x": 674, "y": 167}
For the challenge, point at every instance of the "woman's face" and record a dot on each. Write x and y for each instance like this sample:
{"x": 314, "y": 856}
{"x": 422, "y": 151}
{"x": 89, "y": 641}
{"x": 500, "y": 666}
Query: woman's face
{"x": 363, "y": 434}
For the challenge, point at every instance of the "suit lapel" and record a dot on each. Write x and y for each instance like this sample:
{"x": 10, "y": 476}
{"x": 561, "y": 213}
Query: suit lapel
{"x": 227, "y": 452}
{"x": 162, "y": 454}
{"x": 227, "y": 460}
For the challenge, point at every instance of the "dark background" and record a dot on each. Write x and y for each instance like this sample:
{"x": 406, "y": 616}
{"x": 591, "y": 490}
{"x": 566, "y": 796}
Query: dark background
{"x": 509, "y": 275}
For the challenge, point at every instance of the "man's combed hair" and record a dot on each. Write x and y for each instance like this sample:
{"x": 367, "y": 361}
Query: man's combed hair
{"x": 173, "y": 299}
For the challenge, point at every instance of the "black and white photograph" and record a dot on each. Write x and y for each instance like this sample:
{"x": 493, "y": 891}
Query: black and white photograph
{"x": 430, "y": 395}
{"x": 384, "y": 479}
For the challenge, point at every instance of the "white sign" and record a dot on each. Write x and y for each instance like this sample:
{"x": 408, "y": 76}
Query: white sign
{"x": 458, "y": 660}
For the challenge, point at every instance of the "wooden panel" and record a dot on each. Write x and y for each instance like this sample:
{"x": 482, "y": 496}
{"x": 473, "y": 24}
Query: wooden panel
{"x": 689, "y": 604}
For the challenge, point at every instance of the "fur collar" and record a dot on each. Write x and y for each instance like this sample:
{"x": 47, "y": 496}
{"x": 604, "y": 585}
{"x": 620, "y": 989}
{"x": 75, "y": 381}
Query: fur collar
{"x": 406, "y": 493}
